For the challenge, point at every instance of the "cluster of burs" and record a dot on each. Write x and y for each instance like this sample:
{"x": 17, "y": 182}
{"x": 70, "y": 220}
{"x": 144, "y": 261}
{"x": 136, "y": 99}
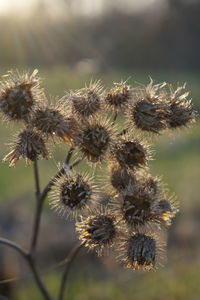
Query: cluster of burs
{"x": 110, "y": 129}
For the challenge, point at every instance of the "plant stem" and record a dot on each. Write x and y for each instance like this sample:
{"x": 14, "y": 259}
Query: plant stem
{"x": 39, "y": 206}
{"x": 15, "y": 246}
{"x": 69, "y": 155}
{"x": 31, "y": 263}
{"x": 72, "y": 257}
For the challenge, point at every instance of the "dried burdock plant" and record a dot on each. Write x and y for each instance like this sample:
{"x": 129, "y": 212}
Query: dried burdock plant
{"x": 139, "y": 205}
{"x": 55, "y": 121}
{"x": 72, "y": 193}
{"x": 19, "y": 94}
{"x": 28, "y": 144}
{"x": 98, "y": 229}
{"x": 148, "y": 110}
{"x": 118, "y": 96}
{"x": 86, "y": 101}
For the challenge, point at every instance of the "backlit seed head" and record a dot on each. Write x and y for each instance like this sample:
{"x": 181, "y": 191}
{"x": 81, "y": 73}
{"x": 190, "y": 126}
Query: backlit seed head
{"x": 19, "y": 94}
{"x": 135, "y": 206}
{"x": 28, "y": 144}
{"x": 130, "y": 152}
{"x": 98, "y": 230}
{"x": 166, "y": 209}
{"x": 54, "y": 121}
{"x": 148, "y": 110}
{"x": 181, "y": 112}
{"x": 86, "y": 101}
{"x": 95, "y": 139}
{"x": 120, "y": 178}
{"x": 118, "y": 96}
{"x": 72, "y": 193}
{"x": 140, "y": 251}
{"x": 149, "y": 182}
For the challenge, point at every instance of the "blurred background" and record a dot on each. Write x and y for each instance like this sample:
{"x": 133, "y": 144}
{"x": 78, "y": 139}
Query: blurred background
{"x": 70, "y": 42}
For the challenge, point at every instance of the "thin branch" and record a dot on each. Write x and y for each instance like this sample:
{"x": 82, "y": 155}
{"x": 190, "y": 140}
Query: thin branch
{"x": 69, "y": 155}
{"x": 31, "y": 263}
{"x": 15, "y": 246}
{"x": 38, "y": 279}
{"x": 72, "y": 257}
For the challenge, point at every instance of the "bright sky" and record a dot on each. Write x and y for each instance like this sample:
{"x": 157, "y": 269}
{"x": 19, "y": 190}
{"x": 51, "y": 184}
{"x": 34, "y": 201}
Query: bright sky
{"x": 87, "y": 6}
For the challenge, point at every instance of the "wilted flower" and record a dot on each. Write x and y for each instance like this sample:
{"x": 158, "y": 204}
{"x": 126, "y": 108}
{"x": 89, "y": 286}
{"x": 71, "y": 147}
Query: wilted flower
{"x": 29, "y": 145}
{"x": 95, "y": 139}
{"x": 130, "y": 152}
{"x": 181, "y": 112}
{"x": 148, "y": 110}
{"x": 55, "y": 121}
{"x": 86, "y": 101}
{"x": 19, "y": 94}
{"x": 118, "y": 96}
{"x": 97, "y": 230}
{"x": 72, "y": 193}
{"x": 141, "y": 251}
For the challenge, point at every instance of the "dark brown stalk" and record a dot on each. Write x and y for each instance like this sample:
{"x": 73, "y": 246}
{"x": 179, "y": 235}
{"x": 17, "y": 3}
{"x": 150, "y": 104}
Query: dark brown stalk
{"x": 31, "y": 263}
{"x": 72, "y": 257}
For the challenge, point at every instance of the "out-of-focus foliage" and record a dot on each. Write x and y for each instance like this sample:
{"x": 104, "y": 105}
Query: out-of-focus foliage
{"x": 161, "y": 37}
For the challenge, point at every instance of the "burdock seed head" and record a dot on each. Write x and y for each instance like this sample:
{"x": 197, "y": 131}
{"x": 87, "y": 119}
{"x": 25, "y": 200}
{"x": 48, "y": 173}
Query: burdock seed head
{"x": 130, "y": 152}
{"x": 86, "y": 101}
{"x": 19, "y": 94}
{"x": 118, "y": 96}
{"x": 120, "y": 178}
{"x": 53, "y": 120}
{"x": 181, "y": 112}
{"x": 135, "y": 207}
{"x": 148, "y": 109}
{"x": 72, "y": 193}
{"x": 28, "y": 144}
{"x": 98, "y": 230}
{"x": 166, "y": 209}
{"x": 140, "y": 251}
{"x": 95, "y": 139}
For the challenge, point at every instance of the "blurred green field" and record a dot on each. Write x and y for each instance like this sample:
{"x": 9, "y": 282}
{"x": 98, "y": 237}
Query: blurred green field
{"x": 177, "y": 160}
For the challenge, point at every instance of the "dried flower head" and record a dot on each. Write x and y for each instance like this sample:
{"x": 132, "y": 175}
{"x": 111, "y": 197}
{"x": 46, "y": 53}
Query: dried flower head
{"x": 72, "y": 193}
{"x": 149, "y": 182}
{"x": 86, "y": 101}
{"x": 29, "y": 145}
{"x": 19, "y": 94}
{"x": 135, "y": 206}
{"x": 98, "y": 230}
{"x": 55, "y": 121}
{"x": 118, "y": 96}
{"x": 166, "y": 209}
{"x": 141, "y": 251}
{"x": 130, "y": 152}
{"x": 148, "y": 110}
{"x": 120, "y": 178}
{"x": 181, "y": 112}
{"x": 95, "y": 139}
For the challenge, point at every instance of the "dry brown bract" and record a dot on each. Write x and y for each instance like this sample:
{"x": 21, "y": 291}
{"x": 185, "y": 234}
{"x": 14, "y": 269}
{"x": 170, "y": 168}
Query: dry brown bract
{"x": 140, "y": 251}
{"x": 95, "y": 139}
{"x": 118, "y": 96}
{"x": 130, "y": 152}
{"x": 19, "y": 94}
{"x": 181, "y": 112}
{"x": 148, "y": 110}
{"x": 29, "y": 145}
{"x": 86, "y": 101}
{"x": 98, "y": 230}
{"x": 54, "y": 121}
{"x": 72, "y": 193}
